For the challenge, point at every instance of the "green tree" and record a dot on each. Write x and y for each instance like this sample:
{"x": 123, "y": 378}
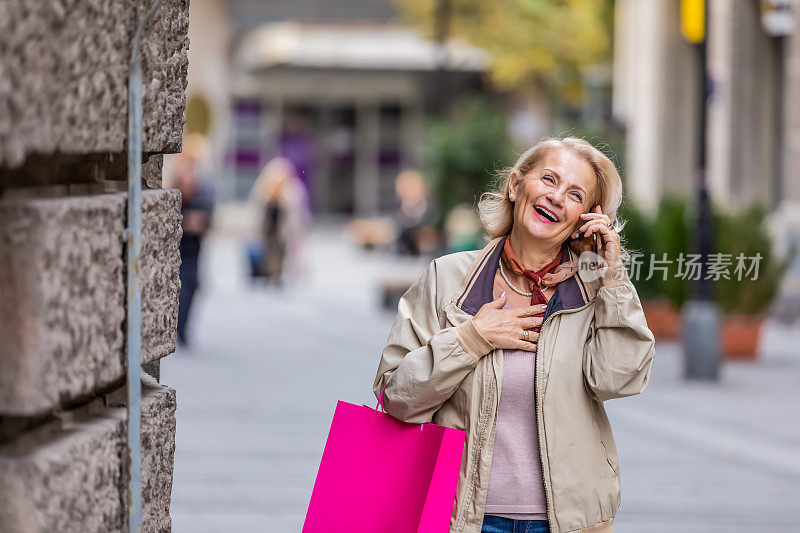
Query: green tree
{"x": 545, "y": 43}
{"x": 462, "y": 152}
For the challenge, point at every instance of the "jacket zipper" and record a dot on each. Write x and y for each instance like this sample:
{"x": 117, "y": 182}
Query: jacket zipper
{"x": 488, "y": 400}
{"x": 540, "y": 419}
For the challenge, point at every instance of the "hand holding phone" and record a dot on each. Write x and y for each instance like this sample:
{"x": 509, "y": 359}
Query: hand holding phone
{"x": 597, "y": 222}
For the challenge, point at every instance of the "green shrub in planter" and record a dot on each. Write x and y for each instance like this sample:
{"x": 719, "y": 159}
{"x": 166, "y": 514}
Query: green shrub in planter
{"x": 746, "y": 233}
{"x": 666, "y": 232}
{"x": 637, "y": 238}
{"x": 671, "y": 236}
{"x": 670, "y": 231}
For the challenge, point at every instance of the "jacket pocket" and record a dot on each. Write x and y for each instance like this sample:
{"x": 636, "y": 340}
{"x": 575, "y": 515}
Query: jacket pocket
{"x": 608, "y": 460}
{"x": 605, "y": 450}
{"x": 614, "y": 474}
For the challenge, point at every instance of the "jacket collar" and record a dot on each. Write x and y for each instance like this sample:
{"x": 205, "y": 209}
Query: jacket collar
{"x": 478, "y": 284}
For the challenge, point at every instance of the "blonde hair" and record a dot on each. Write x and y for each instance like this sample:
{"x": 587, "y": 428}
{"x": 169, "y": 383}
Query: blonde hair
{"x": 496, "y": 210}
{"x": 278, "y": 175}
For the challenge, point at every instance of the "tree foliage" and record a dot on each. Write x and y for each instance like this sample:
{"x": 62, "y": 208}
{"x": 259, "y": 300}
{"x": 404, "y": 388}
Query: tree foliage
{"x": 532, "y": 42}
{"x": 462, "y": 152}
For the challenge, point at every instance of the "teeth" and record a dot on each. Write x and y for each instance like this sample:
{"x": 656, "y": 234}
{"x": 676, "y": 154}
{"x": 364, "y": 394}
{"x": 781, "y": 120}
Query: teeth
{"x": 546, "y": 214}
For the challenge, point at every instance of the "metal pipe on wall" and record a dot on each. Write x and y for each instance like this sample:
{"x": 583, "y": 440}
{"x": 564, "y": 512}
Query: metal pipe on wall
{"x": 134, "y": 291}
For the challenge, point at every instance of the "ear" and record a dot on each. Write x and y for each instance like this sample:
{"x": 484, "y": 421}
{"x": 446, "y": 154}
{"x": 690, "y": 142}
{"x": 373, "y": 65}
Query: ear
{"x": 513, "y": 181}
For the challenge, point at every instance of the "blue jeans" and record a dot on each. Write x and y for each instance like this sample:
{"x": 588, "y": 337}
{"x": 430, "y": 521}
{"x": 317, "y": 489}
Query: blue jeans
{"x": 498, "y": 524}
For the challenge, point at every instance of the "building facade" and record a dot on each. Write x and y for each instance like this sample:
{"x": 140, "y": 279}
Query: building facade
{"x": 753, "y": 120}
{"x": 340, "y": 88}
{"x": 753, "y": 115}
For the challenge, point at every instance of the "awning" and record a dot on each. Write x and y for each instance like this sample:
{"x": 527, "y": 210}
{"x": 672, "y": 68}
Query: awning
{"x": 365, "y": 46}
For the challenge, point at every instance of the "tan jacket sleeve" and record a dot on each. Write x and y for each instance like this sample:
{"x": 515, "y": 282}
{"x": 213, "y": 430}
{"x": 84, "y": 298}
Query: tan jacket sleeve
{"x": 619, "y": 353}
{"x": 422, "y": 363}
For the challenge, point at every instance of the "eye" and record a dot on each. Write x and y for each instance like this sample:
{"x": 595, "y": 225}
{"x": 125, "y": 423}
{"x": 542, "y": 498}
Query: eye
{"x": 577, "y": 196}
{"x": 548, "y": 177}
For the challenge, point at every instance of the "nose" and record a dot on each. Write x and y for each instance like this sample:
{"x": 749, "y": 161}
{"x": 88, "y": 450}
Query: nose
{"x": 555, "y": 196}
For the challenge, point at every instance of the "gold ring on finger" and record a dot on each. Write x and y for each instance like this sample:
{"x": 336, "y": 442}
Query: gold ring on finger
{"x": 525, "y": 334}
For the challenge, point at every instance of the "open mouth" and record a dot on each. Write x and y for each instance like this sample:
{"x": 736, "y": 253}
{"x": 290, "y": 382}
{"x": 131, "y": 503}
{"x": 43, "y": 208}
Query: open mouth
{"x": 547, "y": 215}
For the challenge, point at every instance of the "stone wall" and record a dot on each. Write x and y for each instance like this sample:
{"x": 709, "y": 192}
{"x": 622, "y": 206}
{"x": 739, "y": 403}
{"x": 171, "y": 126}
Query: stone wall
{"x": 63, "y": 166}
{"x": 62, "y": 336}
{"x": 66, "y": 474}
{"x": 64, "y": 72}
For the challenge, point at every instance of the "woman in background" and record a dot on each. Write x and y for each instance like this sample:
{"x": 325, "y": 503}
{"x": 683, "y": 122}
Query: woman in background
{"x": 285, "y": 217}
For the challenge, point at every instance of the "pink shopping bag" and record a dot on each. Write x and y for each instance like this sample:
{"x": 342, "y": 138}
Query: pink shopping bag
{"x": 381, "y": 475}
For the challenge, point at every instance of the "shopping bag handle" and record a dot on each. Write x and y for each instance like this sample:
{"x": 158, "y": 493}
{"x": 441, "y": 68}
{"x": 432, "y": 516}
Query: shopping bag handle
{"x": 380, "y": 405}
{"x": 380, "y": 401}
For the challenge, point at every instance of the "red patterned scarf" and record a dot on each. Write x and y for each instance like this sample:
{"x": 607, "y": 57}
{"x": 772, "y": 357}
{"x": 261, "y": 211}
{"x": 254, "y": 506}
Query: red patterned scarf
{"x": 548, "y": 276}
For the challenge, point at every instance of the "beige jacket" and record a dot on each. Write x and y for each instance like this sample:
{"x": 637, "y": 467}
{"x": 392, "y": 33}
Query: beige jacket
{"x": 594, "y": 345}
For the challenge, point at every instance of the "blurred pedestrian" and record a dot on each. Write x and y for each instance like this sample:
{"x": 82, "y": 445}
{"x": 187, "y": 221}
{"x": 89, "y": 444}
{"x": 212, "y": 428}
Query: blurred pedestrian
{"x": 539, "y": 455}
{"x": 415, "y": 214}
{"x": 196, "y": 207}
{"x": 285, "y": 218}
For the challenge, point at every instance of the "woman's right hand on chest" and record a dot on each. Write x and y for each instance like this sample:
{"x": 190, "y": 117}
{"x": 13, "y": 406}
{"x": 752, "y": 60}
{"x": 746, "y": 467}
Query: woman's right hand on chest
{"x": 503, "y": 328}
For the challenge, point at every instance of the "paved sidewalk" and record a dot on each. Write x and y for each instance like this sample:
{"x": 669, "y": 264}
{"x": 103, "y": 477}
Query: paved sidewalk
{"x": 256, "y": 394}
{"x": 724, "y": 457}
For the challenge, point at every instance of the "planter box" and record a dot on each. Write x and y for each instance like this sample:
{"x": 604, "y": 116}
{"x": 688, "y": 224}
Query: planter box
{"x": 662, "y": 318}
{"x": 741, "y": 335}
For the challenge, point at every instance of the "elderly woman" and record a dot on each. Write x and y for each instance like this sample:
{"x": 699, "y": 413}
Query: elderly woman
{"x": 519, "y": 347}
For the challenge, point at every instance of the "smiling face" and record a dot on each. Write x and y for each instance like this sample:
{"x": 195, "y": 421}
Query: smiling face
{"x": 550, "y": 199}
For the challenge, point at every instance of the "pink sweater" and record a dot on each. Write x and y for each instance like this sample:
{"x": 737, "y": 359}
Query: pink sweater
{"x": 516, "y": 487}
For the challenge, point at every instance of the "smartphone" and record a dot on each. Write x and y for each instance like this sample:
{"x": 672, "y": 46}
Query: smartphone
{"x": 595, "y": 244}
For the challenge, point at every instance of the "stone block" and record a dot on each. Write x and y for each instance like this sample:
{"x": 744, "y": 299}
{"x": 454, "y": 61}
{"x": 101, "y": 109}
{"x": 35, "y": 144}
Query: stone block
{"x": 62, "y": 294}
{"x": 160, "y": 275}
{"x": 70, "y": 474}
{"x": 152, "y": 171}
{"x": 64, "y": 76}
